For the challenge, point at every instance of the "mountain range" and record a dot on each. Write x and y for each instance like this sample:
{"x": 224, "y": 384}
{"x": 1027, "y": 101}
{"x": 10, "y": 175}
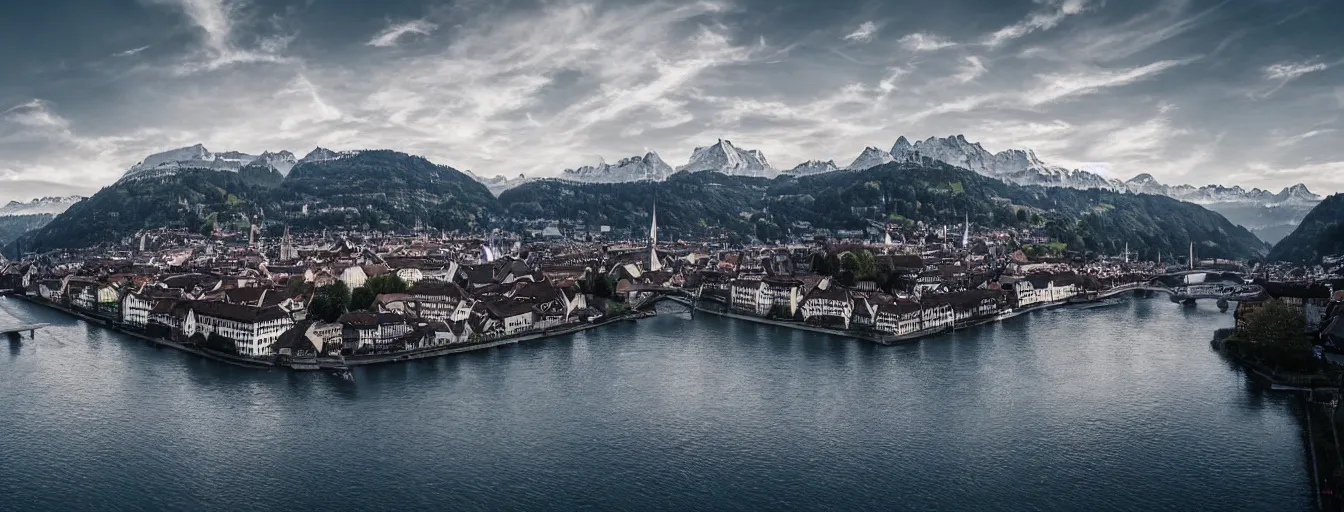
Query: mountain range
{"x": 39, "y": 206}
{"x": 1267, "y": 214}
{"x": 706, "y": 204}
{"x": 198, "y": 157}
{"x": 266, "y": 178}
{"x": 1320, "y": 234}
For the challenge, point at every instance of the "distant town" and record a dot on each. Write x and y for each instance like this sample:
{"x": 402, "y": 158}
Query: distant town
{"x": 334, "y": 300}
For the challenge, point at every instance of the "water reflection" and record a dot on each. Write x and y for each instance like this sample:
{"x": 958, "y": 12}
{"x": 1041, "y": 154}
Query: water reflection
{"x": 1111, "y": 409}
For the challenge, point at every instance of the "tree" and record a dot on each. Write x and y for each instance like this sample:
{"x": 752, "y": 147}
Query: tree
{"x": 387, "y": 283}
{"x": 602, "y": 286}
{"x": 362, "y": 298}
{"x": 1275, "y": 335}
{"x": 330, "y": 302}
{"x": 1021, "y": 216}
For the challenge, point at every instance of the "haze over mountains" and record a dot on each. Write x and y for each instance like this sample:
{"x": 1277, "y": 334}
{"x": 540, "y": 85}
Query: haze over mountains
{"x": 40, "y": 206}
{"x": 1268, "y": 215}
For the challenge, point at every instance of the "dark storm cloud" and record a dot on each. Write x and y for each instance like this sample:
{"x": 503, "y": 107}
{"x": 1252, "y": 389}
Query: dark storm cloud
{"x": 1192, "y": 91}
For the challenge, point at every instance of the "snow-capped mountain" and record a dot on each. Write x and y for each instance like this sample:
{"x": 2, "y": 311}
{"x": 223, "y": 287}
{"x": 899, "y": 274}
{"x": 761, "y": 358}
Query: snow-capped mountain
{"x": 499, "y": 183}
{"x": 321, "y": 154}
{"x": 1019, "y": 166}
{"x": 636, "y": 168}
{"x": 1271, "y": 216}
{"x": 871, "y": 157}
{"x": 198, "y": 157}
{"x": 725, "y": 158}
{"x": 1146, "y": 184}
{"x": 282, "y": 161}
{"x": 51, "y": 205}
{"x": 811, "y": 167}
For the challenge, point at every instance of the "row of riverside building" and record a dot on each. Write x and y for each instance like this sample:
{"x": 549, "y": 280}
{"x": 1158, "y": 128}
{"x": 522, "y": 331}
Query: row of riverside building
{"x": 261, "y": 313}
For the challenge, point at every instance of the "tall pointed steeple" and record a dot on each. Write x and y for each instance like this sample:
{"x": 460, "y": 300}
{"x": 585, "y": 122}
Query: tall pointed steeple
{"x": 654, "y": 263}
{"x": 966, "y": 233}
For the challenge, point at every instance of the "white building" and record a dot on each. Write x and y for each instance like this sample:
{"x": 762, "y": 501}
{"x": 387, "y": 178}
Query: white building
{"x": 252, "y": 330}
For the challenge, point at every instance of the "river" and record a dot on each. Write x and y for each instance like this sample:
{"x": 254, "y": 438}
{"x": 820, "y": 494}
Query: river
{"x": 1117, "y": 408}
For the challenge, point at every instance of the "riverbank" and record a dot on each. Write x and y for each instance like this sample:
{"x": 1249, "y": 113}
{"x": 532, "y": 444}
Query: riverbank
{"x": 881, "y": 338}
{"x": 337, "y": 362}
{"x": 428, "y": 352}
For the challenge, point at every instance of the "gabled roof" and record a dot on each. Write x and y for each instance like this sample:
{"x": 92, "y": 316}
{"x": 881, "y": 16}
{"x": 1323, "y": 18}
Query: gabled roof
{"x": 237, "y": 312}
{"x": 504, "y": 308}
{"x": 436, "y": 288}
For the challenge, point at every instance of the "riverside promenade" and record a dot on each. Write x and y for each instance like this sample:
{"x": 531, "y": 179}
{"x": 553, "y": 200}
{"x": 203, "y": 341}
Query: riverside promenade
{"x": 337, "y": 362}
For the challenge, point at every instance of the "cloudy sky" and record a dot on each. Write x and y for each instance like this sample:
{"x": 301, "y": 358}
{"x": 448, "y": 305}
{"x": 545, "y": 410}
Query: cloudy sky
{"x": 1245, "y": 92}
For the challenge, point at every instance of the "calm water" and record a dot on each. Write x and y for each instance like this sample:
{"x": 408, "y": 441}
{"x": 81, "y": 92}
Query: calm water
{"x": 1122, "y": 408}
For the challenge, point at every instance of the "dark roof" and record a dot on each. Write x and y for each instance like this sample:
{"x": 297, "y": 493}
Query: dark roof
{"x": 186, "y": 281}
{"x": 163, "y": 306}
{"x": 542, "y": 292}
{"x": 967, "y": 298}
{"x": 359, "y": 319}
{"x": 830, "y": 293}
{"x": 237, "y": 312}
{"x": 479, "y": 274}
{"x": 250, "y": 296}
{"x": 508, "y": 307}
{"x": 295, "y": 337}
{"x": 374, "y": 270}
{"x": 899, "y": 307}
{"x": 435, "y": 288}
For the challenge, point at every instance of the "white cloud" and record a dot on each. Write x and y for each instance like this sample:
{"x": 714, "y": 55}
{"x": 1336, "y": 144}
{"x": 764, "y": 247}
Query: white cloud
{"x": 1059, "y": 86}
{"x": 1052, "y": 15}
{"x": 1284, "y": 72}
{"x": 317, "y": 110}
{"x": 970, "y": 70}
{"x": 1289, "y": 141}
{"x": 1318, "y": 176}
{"x": 215, "y": 18}
{"x": 865, "y": 33}
{"x": 35, "y": 113}
{"x": 131, "y": 51}
{"x": 1138, "y": 142}
{"x": 924, "y": 42}
{"x": 1292, "y": 70}
{"x": 392, "y": 34}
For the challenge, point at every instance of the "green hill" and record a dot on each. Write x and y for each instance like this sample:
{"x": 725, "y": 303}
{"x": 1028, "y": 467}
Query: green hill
{"x": 391, "y": 191}
{"x": 383, "y": 190}
{"x": 1321, "y": 233}
{"x": 12, "y": 226}
{"x": 195, "y": 199}
{"x": 1085, "y": 220}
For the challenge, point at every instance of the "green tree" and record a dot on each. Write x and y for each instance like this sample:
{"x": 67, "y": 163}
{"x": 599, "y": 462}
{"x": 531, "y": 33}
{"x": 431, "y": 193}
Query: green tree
{"x": 1021, "y": 216}
{"x": 387, "y": 283}
{"x": 1275, "y": 335}
{"x": 865, "y": 268}
{"x": 330, "y": 302}
{"x": 602, "y": 286}
{"x": 361, "y": 298}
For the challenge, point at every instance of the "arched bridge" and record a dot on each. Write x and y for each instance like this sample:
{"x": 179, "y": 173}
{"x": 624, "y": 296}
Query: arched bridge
{"x": 642, "y": 296}
{"x": 1180, "y": 290}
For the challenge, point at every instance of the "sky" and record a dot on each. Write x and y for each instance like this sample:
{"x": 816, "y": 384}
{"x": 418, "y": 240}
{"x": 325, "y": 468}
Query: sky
{"x": 1237, "y": 92}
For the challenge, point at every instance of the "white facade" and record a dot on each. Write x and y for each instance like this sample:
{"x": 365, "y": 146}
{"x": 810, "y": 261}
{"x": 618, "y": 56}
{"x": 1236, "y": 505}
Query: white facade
{"x": 253, "y": 339}
{"x": 353, "y": 276}
{"x": 135, "y": 311}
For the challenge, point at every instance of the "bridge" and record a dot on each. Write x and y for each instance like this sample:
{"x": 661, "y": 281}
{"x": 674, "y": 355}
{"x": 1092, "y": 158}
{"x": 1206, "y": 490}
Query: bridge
{"x": 1222, "y": 290}
{"x": 643, "y": 296}
{"x": 17, "y": 331}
